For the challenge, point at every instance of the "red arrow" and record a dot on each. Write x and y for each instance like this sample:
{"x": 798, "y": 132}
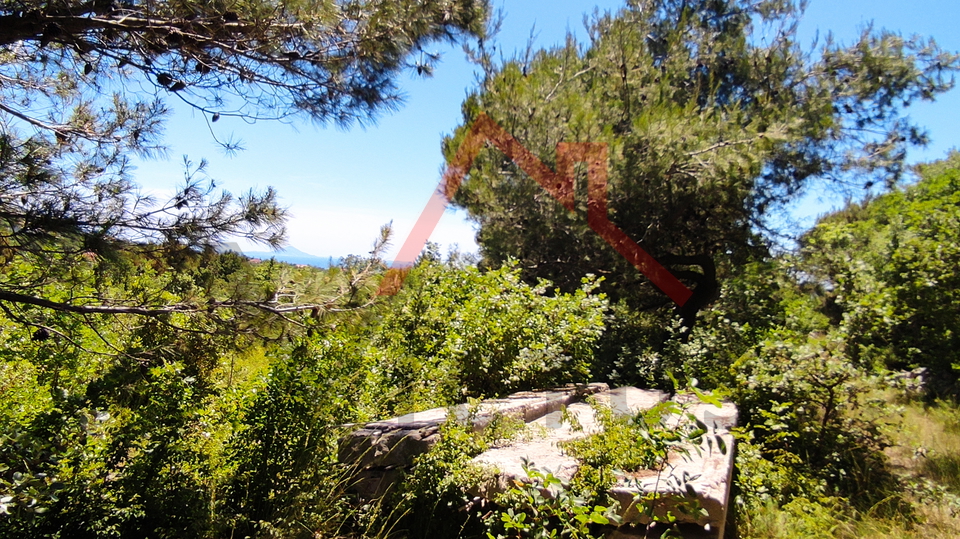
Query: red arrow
{"x": 559, "y": 184}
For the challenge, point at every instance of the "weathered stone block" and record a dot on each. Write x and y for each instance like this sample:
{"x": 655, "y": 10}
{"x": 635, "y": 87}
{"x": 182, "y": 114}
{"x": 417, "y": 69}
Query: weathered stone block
{"x": 396, "y": 442}
{"x": 706, "y": 469}
{"x": 544, "y": 452}
{"x": 382, "y": 449}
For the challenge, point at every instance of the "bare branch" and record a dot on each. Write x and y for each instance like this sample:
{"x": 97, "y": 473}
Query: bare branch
{"x": 723, "y": 144}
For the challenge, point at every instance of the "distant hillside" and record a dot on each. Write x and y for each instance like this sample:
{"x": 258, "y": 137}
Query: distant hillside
{"x": 292, "y": 255}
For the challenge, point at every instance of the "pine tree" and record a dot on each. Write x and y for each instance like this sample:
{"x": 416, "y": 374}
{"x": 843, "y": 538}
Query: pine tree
{"x": 714, "y": 117}
{"x": 84, "y": 87}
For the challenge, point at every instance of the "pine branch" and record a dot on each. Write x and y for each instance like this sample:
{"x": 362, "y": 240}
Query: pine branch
{"x": 155, "y": 311}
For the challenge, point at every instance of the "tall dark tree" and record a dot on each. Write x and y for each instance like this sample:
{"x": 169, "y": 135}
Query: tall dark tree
{"x": 714, "y": 117}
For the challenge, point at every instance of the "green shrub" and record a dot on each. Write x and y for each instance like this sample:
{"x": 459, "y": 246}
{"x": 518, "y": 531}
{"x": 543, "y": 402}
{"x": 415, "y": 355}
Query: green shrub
{"x": 456, "y": 333}
{"x": 546, "y": 507}
{"x": 807, "y": 411}
{"x": 284, "y": 479}
{"x": 640, "y": 442}
{"x": 891, "y": 266}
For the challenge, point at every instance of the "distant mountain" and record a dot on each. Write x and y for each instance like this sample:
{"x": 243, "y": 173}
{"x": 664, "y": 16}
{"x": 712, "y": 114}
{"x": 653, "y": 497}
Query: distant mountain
{"x": 292, "y": 255}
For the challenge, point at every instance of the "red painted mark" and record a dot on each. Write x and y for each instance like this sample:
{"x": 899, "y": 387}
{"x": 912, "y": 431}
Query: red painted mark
{"x": 560, "y": 184}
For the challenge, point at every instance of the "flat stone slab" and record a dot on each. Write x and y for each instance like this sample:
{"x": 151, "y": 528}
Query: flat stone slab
{"x": 396, "y": 442}
{"x": 543, "y": 452}
{"x": 381, "y": 449}
{"x": 706, "y": 469}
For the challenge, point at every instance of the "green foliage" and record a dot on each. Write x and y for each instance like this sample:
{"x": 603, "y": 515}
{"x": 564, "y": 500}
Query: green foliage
{"x": 546, "y": 508}
{"x": 432, "y": 498}
{"x": 131, "y": 425}
{"x": 333, "y": 62}
{"x": 129, "y": 455}
{"x": 456, "y": 333}
{"x": 630, "y": 443}
{"x": 642, "y": 347}
{"x": 709, "y": 129}
{"x": 185, "y": 429}
{"x": 890, "y": 264}
{"x": 808, "y": 411}
{"x": 801, "y": 517}
{"x": 284, "y": 479}
{"x": 153, "y": 387}
{"x": 84, "y": 93}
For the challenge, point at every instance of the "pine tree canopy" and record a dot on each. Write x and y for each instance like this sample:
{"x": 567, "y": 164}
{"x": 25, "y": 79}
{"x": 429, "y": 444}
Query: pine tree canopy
{"x": 84, "y": 87}
{"x": 714, "y": 116}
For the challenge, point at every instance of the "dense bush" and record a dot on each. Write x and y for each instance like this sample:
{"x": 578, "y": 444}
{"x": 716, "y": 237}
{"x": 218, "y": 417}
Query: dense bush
{"x": 807, "y": 411}
{"x": 180, "y": 427}
{"x": 186, "y": 430}
{"x": 645, "y": 347}
{"x": 284, "y": 479}
{"x": 890, "y": 267}
{"x": 454, "y": 333}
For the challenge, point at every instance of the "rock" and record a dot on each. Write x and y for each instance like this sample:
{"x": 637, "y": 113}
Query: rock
{"x": 706, "y": 469}
{"x": 381, "y": 450}
{"x": 544, "y": 453}
{"x": 398, "y": 441}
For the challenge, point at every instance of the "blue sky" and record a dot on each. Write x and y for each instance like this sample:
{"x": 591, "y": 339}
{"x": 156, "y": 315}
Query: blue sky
{"x": 341, "y": 186}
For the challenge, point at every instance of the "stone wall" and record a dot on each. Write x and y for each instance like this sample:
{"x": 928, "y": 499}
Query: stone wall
{"x": 382, "y": 449}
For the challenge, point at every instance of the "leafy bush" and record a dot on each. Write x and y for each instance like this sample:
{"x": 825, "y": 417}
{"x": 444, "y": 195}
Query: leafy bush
{"x": 643, "y": 348}
{"x": 456, "y": 333}
{"x": 807, "y": 411}
{"x": 432, "y": 499}
{"x": 891, "y": 268}
{"x": 640, "y": 442}
{"x": 545, "y": 507}
{"x": 284, "y": 478}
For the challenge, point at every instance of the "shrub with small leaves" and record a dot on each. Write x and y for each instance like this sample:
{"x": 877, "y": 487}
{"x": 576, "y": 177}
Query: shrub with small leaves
{"x": 547, "y": 508}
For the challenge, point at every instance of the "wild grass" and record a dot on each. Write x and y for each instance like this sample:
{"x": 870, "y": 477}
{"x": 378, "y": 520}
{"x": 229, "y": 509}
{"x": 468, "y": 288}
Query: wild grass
{"x": 779, "y": 523}
{"x": 941, "y": 459}
{"x": 927, "y": 443}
